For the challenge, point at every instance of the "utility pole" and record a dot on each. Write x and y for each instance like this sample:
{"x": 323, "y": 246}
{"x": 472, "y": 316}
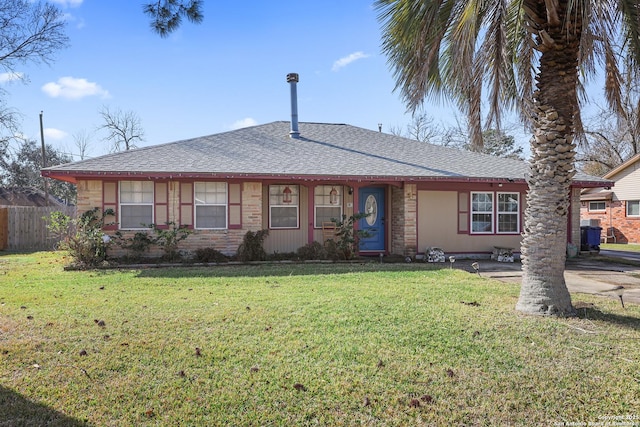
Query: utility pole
{"x": 44, "y": 163}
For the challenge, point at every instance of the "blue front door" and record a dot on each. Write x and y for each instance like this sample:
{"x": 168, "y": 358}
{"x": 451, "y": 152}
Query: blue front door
{"x": 371, "y": 201}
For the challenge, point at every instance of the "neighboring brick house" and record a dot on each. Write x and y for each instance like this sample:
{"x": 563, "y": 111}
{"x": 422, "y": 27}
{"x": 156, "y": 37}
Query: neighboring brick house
{"x": 617, "y": 208}
{"x": 269, "y": 177}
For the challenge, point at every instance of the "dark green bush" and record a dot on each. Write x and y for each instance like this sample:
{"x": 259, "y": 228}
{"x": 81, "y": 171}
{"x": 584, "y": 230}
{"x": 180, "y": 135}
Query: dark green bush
{"x": 210, "y": 255}
{"x": 136, "y": 246}
{"x": 252, "y": 246}
{"x": 313, "y": 250}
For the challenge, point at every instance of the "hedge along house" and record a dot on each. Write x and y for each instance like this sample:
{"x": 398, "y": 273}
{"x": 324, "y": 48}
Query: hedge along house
{"x": 290, "y": 177}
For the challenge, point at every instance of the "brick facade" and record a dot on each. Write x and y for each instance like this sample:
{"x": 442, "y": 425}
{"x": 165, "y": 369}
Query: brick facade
{"x": 626, "y": 229}
{"x": 404, "y": 236}
{"x": 90, "y": 195}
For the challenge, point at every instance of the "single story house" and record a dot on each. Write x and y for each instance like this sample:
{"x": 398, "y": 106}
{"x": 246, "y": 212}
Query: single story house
{"x": 290, "y": 178}
{"x": 616, "y": 208}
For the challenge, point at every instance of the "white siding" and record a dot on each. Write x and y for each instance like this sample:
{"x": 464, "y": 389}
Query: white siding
{"x": 627, "y": 185}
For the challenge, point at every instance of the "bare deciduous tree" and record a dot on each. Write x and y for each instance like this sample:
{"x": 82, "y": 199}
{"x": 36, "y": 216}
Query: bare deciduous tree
{"x": 30, "y": 32}
{"x": 124, "y": 128}
{"x": 610, "y": 138}
{"x": 82, "y": 141}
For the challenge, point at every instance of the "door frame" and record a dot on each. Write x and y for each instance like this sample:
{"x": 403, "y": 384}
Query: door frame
{"x": 384, "y": 219}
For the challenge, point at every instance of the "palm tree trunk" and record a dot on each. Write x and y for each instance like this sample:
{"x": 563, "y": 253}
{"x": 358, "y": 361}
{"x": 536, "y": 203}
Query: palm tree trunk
{"x": 544, "y": 290}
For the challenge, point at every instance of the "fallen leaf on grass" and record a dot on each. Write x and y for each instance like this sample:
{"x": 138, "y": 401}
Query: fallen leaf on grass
{"x": 198, "y": 351}
{"x": 414, "y": 403}
{"x": 299, "y": 387}
{"x": 450, "y": 373}
{"x": 83, "y": 352}
{"x": 472, "y": 303}
{"x": 427, "y": 398}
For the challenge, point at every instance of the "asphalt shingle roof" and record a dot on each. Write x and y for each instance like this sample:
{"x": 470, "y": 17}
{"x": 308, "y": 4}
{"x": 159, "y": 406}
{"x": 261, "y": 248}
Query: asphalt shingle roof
{"x": 322, "y": 150}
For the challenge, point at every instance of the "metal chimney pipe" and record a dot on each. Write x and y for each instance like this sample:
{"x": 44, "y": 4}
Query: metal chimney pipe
{"x": 292, "y": 79}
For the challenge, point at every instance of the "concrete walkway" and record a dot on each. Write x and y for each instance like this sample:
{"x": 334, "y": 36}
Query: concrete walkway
{"x": 585, "y": 274}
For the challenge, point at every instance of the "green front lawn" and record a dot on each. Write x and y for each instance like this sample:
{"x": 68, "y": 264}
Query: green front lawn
{"x": 302, "y": 344}
{"x": 621, "y": 247}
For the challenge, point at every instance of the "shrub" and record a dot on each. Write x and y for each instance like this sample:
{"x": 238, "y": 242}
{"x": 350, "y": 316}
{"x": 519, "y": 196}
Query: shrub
{"x": 169, "y": 238}
{"x": 82, "y": 237}
{"x": 210, "y": 255}
{"x": 136, "y": 246}
{"x": 282, "y": 256}
{"x": 252, "y": 246}
{"x": 347, "y": 237}
{"x": 313, "y": 250}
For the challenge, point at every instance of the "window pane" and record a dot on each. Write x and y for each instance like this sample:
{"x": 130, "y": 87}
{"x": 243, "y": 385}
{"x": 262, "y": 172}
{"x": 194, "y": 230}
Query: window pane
{"x": 211, "y": 193}
{"x": 597, "y": 206}
{"x": 325, "y": 213}
{"x": 322, "y": 195}
{"x": 482, "y": 202}
{"x": 508, "y": 202}
{"x": 633, "y": 208}
{"x": 136, "y": 192}
{"x": 507, "y": 223}
{"x": 135, "y": 216}
{"x": 481, "y": 223}
{"x": 284, "y": 217}
{"x": 276, "y": 195}
{"x": 211, "y": 217}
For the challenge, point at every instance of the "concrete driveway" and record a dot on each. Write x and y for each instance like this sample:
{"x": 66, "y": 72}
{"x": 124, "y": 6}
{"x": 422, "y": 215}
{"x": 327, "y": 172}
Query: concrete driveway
{"x": 589, "y": 274}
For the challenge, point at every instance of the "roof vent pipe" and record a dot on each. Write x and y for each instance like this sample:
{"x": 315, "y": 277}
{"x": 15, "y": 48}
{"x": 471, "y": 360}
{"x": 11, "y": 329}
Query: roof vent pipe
{"x": 292, "y": 79}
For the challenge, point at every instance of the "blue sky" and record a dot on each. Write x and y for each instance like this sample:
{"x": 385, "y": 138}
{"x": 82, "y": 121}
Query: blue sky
{"x": 227, "y": 72}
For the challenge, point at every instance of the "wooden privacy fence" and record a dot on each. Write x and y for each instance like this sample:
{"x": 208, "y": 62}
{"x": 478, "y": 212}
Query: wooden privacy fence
{"x": 23, "y": 228}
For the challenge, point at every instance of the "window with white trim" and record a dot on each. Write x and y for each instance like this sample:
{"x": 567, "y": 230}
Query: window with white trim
{"x": 481, "y": 213}
{"x": 136, "y": 204}
{"x": 597, "y": 206}
{"x": 633, "y": 207}
{"x": 327, "y": 203}
{"x": 210, "y": 199}
{"x": 284, "y": 201}
{"x": 508, "y": 212}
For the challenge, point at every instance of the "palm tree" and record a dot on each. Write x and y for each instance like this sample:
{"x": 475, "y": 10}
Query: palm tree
{"x": 530, "y": 55}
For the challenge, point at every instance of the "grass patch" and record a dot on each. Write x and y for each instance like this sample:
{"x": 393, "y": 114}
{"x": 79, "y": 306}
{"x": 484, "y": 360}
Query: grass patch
{"x": 621, "y": 247}
{"x": 301, "y": 344}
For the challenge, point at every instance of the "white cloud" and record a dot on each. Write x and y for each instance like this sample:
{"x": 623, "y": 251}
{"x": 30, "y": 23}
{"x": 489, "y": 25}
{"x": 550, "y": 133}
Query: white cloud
{"x": 244, "y": 123}
{"x": 343, "y": 62}
{"x": 79, "y": 23}
{"x": 55, "y": 134}
{"x": 73, "y": 88}
{"x": 68, "y": 3}
{"x": 9, "y": 77}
